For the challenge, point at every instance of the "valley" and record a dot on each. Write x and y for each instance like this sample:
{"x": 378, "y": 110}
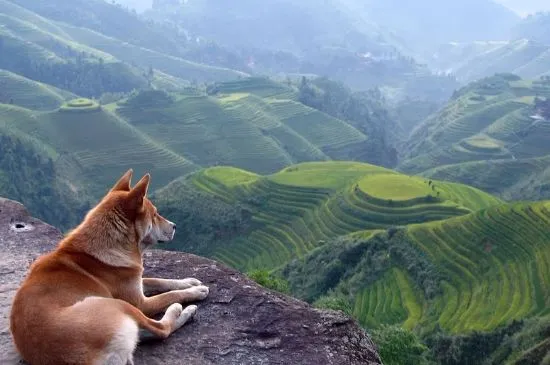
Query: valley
{"x": 348, "y": 154}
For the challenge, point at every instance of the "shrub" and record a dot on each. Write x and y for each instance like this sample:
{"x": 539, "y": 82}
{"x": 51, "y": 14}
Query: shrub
{"x": 334, "y": 302}
{"x": 398, "y": 346}
{"x": 270, "y": 281}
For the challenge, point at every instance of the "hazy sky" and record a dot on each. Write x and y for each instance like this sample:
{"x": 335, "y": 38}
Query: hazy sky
{"x": 524, "y": 7}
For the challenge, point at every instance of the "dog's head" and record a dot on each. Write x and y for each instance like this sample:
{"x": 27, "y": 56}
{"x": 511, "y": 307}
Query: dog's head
{"x": 139, "y": 212}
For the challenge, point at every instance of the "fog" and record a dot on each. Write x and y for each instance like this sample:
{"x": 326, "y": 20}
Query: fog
{"x": 525, "y": 7}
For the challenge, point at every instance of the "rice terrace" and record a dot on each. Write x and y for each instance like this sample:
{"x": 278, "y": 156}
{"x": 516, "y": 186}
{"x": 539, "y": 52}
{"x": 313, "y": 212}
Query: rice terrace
{"x": 372, "y": 158}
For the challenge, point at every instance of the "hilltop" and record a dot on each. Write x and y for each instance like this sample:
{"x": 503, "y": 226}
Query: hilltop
{"x": 495, "y": 124}
{"x": 251, "y": 221}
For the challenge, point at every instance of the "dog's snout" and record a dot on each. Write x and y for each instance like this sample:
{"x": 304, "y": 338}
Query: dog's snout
{"x": 174, "y": 226}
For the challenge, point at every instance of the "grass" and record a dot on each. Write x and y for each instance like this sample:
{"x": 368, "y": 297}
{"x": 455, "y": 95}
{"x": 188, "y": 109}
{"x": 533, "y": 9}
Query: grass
{"x": 296, "y": 210}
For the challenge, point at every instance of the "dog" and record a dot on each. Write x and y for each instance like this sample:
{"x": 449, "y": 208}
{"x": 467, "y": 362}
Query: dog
{"x": 84, "y": 302}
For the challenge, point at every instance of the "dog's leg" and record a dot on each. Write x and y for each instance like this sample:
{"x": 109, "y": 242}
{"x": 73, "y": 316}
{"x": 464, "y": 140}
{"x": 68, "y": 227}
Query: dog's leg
{"x": 159, "y": 303}
{"x": 184, "y": 317}
{"x": 155, "y": 285}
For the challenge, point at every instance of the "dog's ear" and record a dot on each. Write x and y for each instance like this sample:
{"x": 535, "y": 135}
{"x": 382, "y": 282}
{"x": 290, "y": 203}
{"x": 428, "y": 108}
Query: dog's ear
{"x": 136, "y": 195}
{"x": 123, "y": 184}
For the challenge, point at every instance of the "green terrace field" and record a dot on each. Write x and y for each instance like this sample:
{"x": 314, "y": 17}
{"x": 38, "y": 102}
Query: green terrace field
{"x": 175, "y": 133}
{"x": 513, "y": 179}
{"x": 493, "y": 119}
{"x": 94, "y": 144}
{"x": 475, "y": 272}
{"x": 243, "y": 129}
{"x": 301, "y": 207}
{"x": 17, "y": 90}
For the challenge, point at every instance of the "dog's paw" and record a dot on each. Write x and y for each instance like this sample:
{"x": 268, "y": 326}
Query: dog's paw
{"x": 188, "y": 283}
{"x": 190, "y": 310}
{"x": 188, "y": 313}
{"x": 174, "y": 311}
{"x": 199, "y": 292}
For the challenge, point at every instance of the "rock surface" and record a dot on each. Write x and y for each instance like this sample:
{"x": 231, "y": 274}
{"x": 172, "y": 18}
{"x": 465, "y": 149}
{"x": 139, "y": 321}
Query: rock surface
{"x": 240, "y": 322}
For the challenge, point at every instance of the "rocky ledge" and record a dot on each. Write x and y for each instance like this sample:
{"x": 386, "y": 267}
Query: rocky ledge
{"x": 239, "y": 323}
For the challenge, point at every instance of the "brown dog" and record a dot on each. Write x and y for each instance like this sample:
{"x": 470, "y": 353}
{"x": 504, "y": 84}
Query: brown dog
{"x": 84, "y": 303}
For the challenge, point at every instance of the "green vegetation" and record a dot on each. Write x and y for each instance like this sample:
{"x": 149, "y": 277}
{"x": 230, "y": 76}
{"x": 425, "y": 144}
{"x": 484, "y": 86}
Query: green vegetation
{"x": 398, "y": 346}
{"x": 366, "y": 111}
{"x": 489, "y": 129}
{"x": 266, "y": 279}
{"x": 472, "y": 287}
{"x": 17, "y": 90}
{"x": 296, "y": 210}
{"x": 246, "y": 130}
{"x": 482, "y": 272}
{"x": 29, "y": 177}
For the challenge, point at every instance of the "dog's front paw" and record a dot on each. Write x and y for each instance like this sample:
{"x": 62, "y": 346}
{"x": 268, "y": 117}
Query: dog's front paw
{"x": 188, "y": 283}
{"x": 198, "y": 292}
{"x": 186, "y": 315}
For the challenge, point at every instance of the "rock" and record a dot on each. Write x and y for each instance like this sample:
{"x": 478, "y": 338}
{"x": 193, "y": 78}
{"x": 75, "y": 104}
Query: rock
{"x": 239, "y": 323}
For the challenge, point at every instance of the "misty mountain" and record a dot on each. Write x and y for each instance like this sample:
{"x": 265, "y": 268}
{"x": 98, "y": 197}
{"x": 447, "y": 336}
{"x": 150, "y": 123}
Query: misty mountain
{"x": 425, "y": 23}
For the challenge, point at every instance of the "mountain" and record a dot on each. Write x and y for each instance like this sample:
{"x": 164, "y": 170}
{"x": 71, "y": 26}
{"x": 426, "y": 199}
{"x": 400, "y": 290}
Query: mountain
{"x": 524, "y": 57}
{"x": 426, "y": 23}
{"x": 523, "y": 50}
{"x": 535, "y": 27}
{"x": 78, "y": 59}
{"x": 298, "y": 38}
{"x": 254, "y": 123}
{"x": 477, "y": 278}
{"x": 252, "y": 221}
{"x": 496, "y": 122}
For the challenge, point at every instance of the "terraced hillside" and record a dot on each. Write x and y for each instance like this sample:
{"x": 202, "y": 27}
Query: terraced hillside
{"x": 470, "y": 273}
{"x": 520, "y": 179}
{"x": 252, "y": 124}
{"x": 290, "y": 213}
{"x": 17, "y": 90}
{"x": 494, "y": 119}
{"x": 45, "y": 49}
{"x": 472, "y": 61}
{"x": 92, "y": 144}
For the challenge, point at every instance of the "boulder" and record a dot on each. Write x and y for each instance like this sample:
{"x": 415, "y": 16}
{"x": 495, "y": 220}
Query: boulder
{"x": 239, "y": 323}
